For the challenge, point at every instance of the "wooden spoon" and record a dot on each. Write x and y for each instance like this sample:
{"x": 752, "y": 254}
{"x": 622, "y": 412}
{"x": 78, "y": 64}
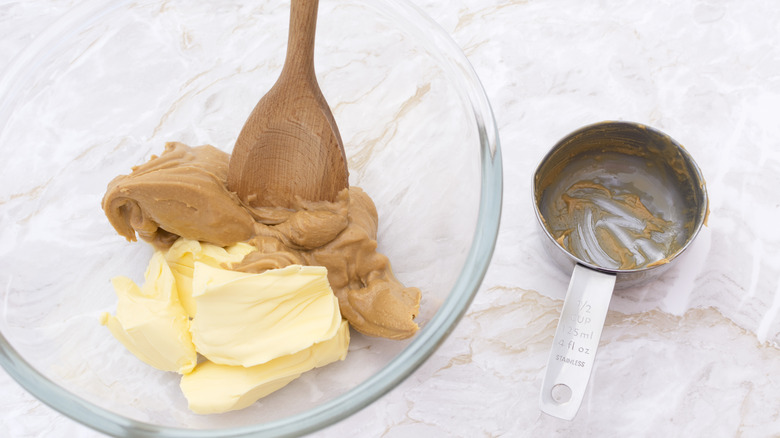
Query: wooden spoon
{"x": 290, "y": 145}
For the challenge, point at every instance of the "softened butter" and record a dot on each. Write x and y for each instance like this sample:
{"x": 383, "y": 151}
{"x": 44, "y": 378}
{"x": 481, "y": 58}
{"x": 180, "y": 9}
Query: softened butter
{"x": 150, "y": 321}
{"x": 183, "y": 254}
{"x": 213, "y": 388}
{"x": 257, "y": 332}
{"x": 248, "y": 319}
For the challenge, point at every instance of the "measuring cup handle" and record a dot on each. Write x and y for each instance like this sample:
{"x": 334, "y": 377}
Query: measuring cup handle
{"x": 576, "y": 341}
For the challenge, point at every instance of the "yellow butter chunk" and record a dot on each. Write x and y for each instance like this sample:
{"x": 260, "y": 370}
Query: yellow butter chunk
{"x": 150, "y": 321}
{"x": 212, "y": 388}
{"x": 248, "y": 319}
{"x": 183, "y": 254}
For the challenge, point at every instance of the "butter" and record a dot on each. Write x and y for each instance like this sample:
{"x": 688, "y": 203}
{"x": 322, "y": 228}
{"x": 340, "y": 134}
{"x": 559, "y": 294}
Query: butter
{"x": 214, "y": 388}
{"x": 257, "y": 332}
{"x": 150, "y": 322}
{"x": 249, "y": 319}
{"x": 183, "y": 254}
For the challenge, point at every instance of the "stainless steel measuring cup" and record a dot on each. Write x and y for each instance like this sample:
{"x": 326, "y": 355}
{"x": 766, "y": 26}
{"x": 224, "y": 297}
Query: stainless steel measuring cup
{"x": 617, "y": 202}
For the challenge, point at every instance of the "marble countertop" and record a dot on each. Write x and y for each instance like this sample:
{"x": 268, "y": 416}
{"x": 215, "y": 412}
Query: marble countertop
{"x": 694, "y": 353}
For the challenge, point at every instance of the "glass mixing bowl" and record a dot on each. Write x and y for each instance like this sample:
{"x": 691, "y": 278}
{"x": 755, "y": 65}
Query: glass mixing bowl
{"x": 108, "y": 84}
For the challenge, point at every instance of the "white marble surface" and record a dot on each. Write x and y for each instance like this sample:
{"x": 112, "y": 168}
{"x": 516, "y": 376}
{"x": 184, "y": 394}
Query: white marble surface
{"x": 695, "y": 353}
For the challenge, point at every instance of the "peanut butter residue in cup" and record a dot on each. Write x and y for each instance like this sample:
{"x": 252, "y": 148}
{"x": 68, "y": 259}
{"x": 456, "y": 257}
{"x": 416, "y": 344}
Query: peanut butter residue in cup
{"x": 611, "y": 229}
{"x": 183, "y": 193}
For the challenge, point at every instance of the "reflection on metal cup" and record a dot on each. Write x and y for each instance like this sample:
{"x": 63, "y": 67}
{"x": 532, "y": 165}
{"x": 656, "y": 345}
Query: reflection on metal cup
{"x": 617, "y": 202}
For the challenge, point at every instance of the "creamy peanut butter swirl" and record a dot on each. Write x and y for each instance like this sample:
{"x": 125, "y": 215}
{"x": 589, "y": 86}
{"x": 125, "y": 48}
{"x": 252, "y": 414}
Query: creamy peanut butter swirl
{"x": 183, "y": 193}
{"x": 180, "y": 193}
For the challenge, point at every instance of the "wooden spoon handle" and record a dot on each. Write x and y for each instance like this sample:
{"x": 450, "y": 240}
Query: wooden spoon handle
{"x": 300, "y": 37}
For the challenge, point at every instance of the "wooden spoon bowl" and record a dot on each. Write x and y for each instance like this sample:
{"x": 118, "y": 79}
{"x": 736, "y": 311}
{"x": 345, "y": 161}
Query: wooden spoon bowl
{"x": 290, "y": 145}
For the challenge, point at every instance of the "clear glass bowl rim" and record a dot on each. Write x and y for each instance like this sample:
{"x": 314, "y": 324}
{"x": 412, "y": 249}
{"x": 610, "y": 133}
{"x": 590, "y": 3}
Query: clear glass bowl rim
{"x": 404, "y": 364}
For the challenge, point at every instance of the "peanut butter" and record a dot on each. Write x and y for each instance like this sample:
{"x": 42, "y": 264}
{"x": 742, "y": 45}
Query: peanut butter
{"x": 180, "y": 193}
{"x": 183, "y": 193}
